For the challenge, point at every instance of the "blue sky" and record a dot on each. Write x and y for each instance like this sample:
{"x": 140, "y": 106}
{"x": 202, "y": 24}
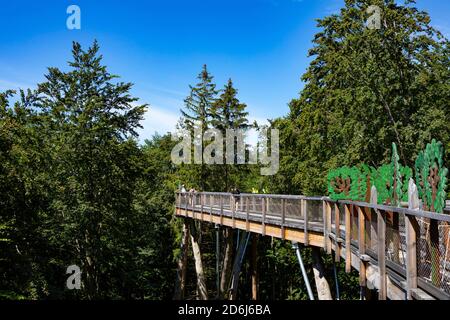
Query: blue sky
{"x": 161, "y": 46}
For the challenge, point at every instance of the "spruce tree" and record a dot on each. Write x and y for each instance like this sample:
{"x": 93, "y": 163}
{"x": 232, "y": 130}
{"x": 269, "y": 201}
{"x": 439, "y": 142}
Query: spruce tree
{"x": 199, "y": 102}
{"x": 197, "y": 114}
{"x": 229, "y": 113}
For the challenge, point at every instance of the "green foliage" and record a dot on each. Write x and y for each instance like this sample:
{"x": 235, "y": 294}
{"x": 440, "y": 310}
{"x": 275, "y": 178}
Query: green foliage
{"x": 279, "y": 259}
{"x": 227, "y": 112}
{"x": 196, "y": 114}
{"x": 74, "y": 190}
{"x": 24, "y": 187}
{"x": 344, "y": 183}
{"x": 365, "y": 182}
{"x": 199, "y": 102}
{"x": 219, "y": 112}
{"x": 9, "y": 295}
{"x": 382, "y": 177}
{"x": 406, "y": 173}
{"x": 365, "y": 89}
{"x": 95, "y": 169}
{"x": 390, "y": 180}
{"x": 431, "y": 177}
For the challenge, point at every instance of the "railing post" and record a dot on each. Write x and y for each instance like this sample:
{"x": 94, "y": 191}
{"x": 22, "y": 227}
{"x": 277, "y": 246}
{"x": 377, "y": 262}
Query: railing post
{"x": 305, "y": 221}
{"x": 337, "y": 223}
{"x": 283, "y": 217}
{"x": 233, "y": 212}
{"x": 192, "y": 195}
{"x": 211, "y": 207}
{"x": 176, "y": 203}
{"x": 373, "y": 219}
{"x": 247, "y": 214}
{"x": 263, "y": 225}
{"x": 362, "y": 246}
{"x": 328, "y": 216}
{"x": 221, "y": 209}
{"x": 412, "y": 231}
{"x": 231, "y": 202}
{"x": 378, "y": 234}
{"x": 324, "y": 222}
{"x": 348, "y": 238}
{"x": 381, "y": 248}
{"x": 247, "y": 222}
{"x": 201, "y": 205}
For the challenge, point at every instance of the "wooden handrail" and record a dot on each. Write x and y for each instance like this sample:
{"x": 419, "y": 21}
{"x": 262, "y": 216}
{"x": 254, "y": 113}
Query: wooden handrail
{"x": 400, "y": 210}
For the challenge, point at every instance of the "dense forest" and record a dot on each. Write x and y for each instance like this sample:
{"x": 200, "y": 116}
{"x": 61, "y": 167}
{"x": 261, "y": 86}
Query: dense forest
{"x": 77, "y": 187}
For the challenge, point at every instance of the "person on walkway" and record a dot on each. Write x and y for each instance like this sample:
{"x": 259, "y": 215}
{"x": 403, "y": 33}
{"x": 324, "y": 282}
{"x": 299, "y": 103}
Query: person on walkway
{"x": 192, "y": 195}
{"x": 236, "y": 195}
{"x": 184, "y": 193}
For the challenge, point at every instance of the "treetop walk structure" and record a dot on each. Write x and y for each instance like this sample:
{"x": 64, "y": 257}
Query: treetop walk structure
{"x": 392, "y": 247}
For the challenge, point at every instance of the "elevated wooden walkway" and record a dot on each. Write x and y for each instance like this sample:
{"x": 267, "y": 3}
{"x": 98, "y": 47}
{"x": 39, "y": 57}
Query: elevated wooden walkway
{"x": 394, "y": 249}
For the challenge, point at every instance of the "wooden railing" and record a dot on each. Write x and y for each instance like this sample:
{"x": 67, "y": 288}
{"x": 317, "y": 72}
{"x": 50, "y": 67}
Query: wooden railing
{"x": 409, "y": 245}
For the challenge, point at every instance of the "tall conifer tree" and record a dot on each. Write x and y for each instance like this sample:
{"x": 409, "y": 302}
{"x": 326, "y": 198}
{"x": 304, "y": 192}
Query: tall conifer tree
{"x": 229, "y": 113}
{"x": 197, "y": 113}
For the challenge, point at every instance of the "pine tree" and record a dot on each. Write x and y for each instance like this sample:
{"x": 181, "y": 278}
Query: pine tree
{"x": 197, "y": 114}
{"x": 199, "y": 102}
{"x": 228, "y": 112}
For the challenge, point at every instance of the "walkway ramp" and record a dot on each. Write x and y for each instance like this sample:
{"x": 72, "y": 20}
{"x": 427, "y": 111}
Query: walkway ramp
{"x": 392, "y": 248}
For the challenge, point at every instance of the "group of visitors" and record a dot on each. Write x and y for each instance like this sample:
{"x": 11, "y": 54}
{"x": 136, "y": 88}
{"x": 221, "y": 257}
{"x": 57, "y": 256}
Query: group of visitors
{"x": 183, "y": 189}
{"x": 234, "y": 191}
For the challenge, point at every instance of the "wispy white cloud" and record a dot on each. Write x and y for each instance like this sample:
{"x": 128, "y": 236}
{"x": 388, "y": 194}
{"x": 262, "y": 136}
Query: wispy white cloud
{"x": 165, "y": 91}
{"x": 158, "y": 120}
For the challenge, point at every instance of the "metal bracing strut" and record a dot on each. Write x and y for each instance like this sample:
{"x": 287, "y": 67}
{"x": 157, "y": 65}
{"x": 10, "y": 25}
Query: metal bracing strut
{"x": 217, "y": 227}
{"x": 302, "y": 267}
{"x": 242, "y": 246}
{"x": 336, "y": 282}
